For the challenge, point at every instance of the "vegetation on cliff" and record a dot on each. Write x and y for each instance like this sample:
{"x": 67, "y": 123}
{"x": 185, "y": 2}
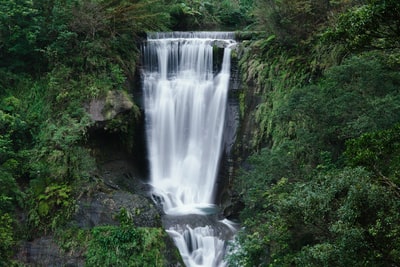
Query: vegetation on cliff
{"x": 55, "y": 57}
{"x": 322, "y": 188}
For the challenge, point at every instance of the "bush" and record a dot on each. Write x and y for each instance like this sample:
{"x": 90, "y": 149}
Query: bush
{"x": 51, "y": 208}
{"x": 7, "y": 238}
{"x": 292, "y": 21}
{"x": 337, "y": 218}
{"x": 126, "y": 246}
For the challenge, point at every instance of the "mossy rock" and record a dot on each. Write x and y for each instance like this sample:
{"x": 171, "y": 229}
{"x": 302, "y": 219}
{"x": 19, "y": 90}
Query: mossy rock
{"x": 115, "y": 102}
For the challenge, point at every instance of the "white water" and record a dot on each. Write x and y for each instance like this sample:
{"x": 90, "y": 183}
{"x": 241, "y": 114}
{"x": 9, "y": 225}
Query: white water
{"x": 198, "y": 246}
{"x": 185, "y": 103}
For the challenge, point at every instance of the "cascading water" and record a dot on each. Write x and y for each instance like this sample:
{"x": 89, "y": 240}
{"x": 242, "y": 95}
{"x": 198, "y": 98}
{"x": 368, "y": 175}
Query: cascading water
{"x": 185, "y": 103}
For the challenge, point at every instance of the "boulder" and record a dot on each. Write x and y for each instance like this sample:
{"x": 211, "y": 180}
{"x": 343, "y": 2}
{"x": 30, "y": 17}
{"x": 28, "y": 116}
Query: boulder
{"x": 108, "y": 107}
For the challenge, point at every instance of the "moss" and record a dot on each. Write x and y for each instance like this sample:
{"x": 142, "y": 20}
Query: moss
{"x": 117, "y": 102}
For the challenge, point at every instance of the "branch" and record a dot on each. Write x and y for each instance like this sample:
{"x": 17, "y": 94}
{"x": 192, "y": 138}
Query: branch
{"x": 388, "y": 182}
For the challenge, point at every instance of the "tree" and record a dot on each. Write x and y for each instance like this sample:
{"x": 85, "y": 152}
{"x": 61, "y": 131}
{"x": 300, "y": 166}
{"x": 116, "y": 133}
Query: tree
{"x": 337, "y": 218}
{"x": 379, "y": 152}
{"x": 19, "y": 30}
{"x": 291, "y": 21}
{"x": 373, "y": 25}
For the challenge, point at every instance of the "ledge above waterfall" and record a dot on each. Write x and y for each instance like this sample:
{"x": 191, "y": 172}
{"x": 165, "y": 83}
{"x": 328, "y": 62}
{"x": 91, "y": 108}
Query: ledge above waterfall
{"x": 218, "y": 39}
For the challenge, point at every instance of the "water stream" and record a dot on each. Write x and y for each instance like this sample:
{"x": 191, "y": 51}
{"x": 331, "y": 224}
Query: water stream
{"x": 185, "y": 96}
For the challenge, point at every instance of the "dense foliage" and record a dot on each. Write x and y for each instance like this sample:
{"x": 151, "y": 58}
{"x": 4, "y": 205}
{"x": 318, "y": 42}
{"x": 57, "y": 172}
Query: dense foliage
{"x": 322, "y": 187}
{"x": 126, "y": 245}
{"x": 112, "y": 245}
{"x": 55, "y": 56}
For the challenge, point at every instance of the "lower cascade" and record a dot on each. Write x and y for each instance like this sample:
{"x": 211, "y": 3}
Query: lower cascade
{"x": 185, "y": 96}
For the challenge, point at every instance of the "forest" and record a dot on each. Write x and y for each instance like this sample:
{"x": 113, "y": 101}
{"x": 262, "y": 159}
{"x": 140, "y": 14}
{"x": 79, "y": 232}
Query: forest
{"x": 317, "y": 169}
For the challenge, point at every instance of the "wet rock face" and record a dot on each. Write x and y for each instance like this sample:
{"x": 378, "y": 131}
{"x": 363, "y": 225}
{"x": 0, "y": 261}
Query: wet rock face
{"x": 103, "y": 209}
{"x": 44, "y": 251}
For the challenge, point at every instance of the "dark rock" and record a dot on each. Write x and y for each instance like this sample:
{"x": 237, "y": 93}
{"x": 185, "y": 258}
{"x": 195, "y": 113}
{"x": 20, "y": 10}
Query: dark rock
{"x": 120, "y": 174}
{"x": 224, "y": 43}
{"x": 103, "y": 208}
{"x": 44, "y": 251}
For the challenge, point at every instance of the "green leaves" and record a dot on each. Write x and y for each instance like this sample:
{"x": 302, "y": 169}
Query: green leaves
{"x": 210, "y": 15}
{"x": 19, "y": 32}
{"x": 303, "y": 207}
{"x": 291, "y": 21}
{"x": 126, "y": 246}
{"x": 378, "y": 152}
{"x": 51, "y": 208}
{"x": 7, "y": 238}
{"x": 334, "y": 219}
{"x": 374, "y": 24}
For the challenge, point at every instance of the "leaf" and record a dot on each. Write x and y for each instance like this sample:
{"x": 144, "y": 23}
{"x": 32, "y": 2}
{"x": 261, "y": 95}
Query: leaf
{"x": 43, "y": 208}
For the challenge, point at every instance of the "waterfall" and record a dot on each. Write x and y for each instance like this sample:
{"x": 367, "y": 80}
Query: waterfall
{"x": 185, "y": 102}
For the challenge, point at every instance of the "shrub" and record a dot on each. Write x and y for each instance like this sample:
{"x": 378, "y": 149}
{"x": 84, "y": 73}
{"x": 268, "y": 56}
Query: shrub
{"x": 125, "y": 246}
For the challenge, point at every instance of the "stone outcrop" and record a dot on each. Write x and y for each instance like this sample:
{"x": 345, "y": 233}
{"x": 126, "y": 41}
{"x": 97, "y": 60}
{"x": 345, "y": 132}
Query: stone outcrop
{"x": 107, "y": 108}
{"x": 102, "y": 208}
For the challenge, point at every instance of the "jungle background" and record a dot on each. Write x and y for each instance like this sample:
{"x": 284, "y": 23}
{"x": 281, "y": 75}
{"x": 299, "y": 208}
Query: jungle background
{"x": 318, "y": 151}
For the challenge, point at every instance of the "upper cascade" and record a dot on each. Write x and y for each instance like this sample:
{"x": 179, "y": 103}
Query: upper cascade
{"x": 185, "y": 104}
